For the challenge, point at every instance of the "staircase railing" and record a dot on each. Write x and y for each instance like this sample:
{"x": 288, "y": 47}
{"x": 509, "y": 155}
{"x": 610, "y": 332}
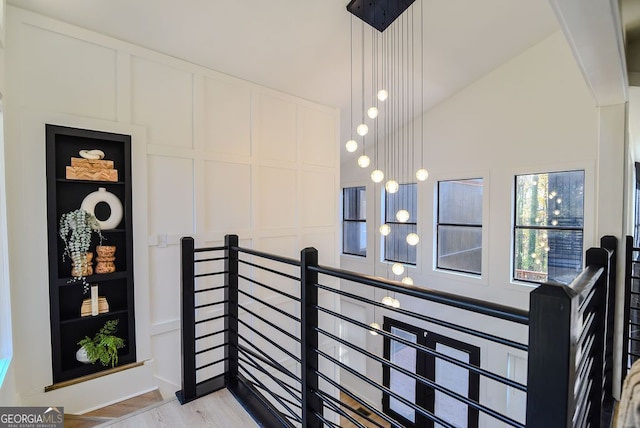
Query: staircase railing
{"x": 272, "y": 330}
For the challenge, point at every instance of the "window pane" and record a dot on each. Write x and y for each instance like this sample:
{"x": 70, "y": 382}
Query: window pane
{"x": 460, "y": 248}
{"x": 403, "y": 199}
{"x": 551, "y": 199}
{"x": 460, "y": 201}
{"x": 396, "y": 247}
{"x": 403, "y": 385}
{"x": 548, "y": 255}
{"x": 456, "y": 379}
{"x": 355, "y": 203}
{"x": 354, "y": 226}
{"x": 355, "y": 238}
{"x": 395, "y": 244}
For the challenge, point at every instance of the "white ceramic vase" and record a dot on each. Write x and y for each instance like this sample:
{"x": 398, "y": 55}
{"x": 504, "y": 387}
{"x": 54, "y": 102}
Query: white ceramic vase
{"x": 81, "y": 355}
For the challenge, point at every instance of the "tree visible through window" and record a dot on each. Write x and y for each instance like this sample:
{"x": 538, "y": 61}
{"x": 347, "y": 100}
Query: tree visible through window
{"x": 460, "y": 225}
{"x": 549, "y": 222}
{"x": 354, "y": 223}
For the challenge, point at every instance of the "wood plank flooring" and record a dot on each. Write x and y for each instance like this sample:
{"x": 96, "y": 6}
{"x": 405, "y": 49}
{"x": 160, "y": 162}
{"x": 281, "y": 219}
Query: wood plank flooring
{"x": 346, "y": 423}
{"x": 109, "y": 413}
{"x": 217, "y": 410}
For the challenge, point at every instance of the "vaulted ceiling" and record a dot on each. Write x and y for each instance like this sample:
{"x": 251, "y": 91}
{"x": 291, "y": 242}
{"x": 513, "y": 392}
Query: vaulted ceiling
{"x": 302, "y": 47}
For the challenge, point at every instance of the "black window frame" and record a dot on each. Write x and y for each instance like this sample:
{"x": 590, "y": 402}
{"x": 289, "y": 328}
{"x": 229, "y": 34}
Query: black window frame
{"x": 461, "y": 225}
{"x": 413, "y": 221}
{"x": 361, "y": 217}
{"x": 548, "y": 227}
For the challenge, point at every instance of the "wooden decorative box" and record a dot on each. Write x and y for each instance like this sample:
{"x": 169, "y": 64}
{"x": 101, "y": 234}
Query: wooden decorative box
{"x": 97, "y": 174}
{"x": 91, "y": 163}
{"x": 103, "y": 306}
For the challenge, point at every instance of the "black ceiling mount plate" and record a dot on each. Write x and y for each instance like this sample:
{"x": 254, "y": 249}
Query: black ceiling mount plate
{"x": 378, "y": 13}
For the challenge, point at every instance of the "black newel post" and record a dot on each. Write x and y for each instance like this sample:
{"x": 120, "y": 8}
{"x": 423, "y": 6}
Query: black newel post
{"x": 309, "y": 317}
{"x": 188, "y": 321}
{"x": 231, "y": 311}
{"x": 552, "y": 352}
{"x": 610, "y": 243}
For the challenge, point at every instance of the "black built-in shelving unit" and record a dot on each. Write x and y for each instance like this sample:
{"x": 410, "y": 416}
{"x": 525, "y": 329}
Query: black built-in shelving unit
{"x": 65, "y": 294}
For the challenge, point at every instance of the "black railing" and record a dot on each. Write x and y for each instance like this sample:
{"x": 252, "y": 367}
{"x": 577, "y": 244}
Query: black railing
{"x": 631, "y": 317}
{"x": 272, "y": 330}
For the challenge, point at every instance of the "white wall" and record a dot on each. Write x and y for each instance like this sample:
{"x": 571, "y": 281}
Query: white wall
{"x": 533, "y": 114}
{"x": 217, "y": 155}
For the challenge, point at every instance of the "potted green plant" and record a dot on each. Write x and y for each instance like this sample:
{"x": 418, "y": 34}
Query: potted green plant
{"x": 102, "y": 347}
{"x": 75, "y": 229}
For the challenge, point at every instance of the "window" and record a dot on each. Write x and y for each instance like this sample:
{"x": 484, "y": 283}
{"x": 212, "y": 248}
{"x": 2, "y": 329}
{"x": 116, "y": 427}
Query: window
{"x": 396, "y": 248}
{"x": 354, "y": 223}
{"x": 459, "y": 225}
{"x": 549, "y": 221}
{"x": 453, "y": 377}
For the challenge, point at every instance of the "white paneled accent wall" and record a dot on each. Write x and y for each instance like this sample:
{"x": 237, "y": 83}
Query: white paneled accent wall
{"x": 219, "y": 155}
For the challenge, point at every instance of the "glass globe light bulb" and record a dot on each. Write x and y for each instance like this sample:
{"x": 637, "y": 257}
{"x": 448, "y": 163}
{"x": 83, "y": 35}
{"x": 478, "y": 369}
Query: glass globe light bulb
{"x": 559, "y": 200}
{"x": 392, "y": 186}
{"x": 413, "y": 239}
{"x": 407, "y": 280}
{"x": 556, "y": 212}
{"x": 554, "y": 222}
{"x": 397, "y": 268}
{"x": 422, "y": 174}
{"x": 385, "y": 229}
{"x": 351, "y": 146}
{"x": 374, "y": 326}
{"x": 362, "y": 129}
{"x": 402, "y": 216}
{"x": 395, "y": 303}
{"x": 377, "y": 176}
{"x": 383, "y": 94}
{"x": 364, "y": 161}
{"x": 372, "y": 112}
{"x": 387, "y": 300}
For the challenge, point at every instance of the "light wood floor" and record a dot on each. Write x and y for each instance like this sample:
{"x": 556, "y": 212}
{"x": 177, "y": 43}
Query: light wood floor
{"x": 346, "y": 423}
{"x": 110, "y": 413}
{"x": 217, "y": 410}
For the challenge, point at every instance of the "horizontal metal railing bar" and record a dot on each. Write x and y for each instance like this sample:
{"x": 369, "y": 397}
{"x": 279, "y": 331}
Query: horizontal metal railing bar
{"x": 426, "y": 413}
{"x": 211, "y": 319}
{"x": 257, "y": 383}
{"x": 635, "y": 293}
{"x": 417, "y": 346}
{"x": 270, "y": 324}
{"x": 204, "y": 290}
{"x": 262, "y": 356}
{"x": 213, "y": 259}
{"x": 587, "y": 299}
{"x": 213, "y": 348}
{"x": 283, "y": 385}
{"x": 631, "y": 354}
{"x": 268, "y": 287}
{"x": 461, "y": 302}
{"x": 326, "y": 398}
{"x": 324, "y": 420}
{"x": 215, "y": 333}
{"x": 270, "y": 306}
{"x": 296, "y": 358}
{"x": 581, "y": 397}
{"x": 202, "y": 275}
{"x": 286, "y": 275}
{"x": 208, "y": 305}
{"x": 585, "y": 355}
{"x": 268, "y": 256}
{"x": 423, "y": 380}
{"x": 356, "y": 398}
{"x": 634, "y": 323}
{"x": 205, "y": 249}
{"x": 456, "y": 327}
{"x": 586, "y": 328}
{"x": 585, "y": 281}
{"x": 221, "y": 360}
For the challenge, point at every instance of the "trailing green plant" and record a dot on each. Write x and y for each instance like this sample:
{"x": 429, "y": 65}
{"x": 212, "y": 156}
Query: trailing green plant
{"x": 75, "y": 229}
{"x": 104, "y": 345}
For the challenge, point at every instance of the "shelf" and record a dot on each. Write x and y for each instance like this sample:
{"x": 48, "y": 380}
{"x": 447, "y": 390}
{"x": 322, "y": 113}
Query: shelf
{"x": 90, "y": 317}
{"x": 66, "y": 180}
{"x": 63, "y": 282}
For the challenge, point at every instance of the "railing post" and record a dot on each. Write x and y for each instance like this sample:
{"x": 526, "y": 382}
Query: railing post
{"x": 187, "y": 321}
{"x": 309, "y": 338}
{"x": 626, "y": 332}
{"x": 610, "y": 243}
{"x": 598, "y": 257}
{"x": 552, "y": 353}
{"x": 231, "y": 310}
